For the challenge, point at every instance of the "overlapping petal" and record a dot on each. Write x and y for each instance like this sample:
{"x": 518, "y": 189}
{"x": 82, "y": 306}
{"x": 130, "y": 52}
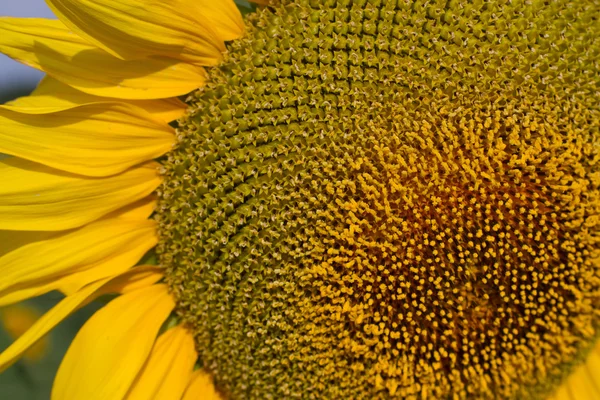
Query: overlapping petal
{"x": 69, "y": 261}
{"x": 52, "y": 95}
{"x": 136, "y": 211}
{"x": 113, "y": 346}
{"x": 49, "y": 46}
{"x": 168, "y": 369}
{"x": 190, "y": 30}
{"x": 38, "y": 198}
{"x": 134, "y": 279}
{"x": 98, "y": 139}
{"x": 10, "y": 240}
{"x": 222, "y": 16}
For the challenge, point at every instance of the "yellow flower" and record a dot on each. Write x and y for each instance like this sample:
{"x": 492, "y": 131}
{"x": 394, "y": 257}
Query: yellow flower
{"x": 362, "y": 199}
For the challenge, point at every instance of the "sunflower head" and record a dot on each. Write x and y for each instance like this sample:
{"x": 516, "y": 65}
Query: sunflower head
{"x": 374, "y": 199}
{"x": 360, "y": 199}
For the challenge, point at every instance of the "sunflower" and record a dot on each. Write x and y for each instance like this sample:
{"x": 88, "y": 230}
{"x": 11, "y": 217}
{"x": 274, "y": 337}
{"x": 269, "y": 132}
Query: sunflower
{"x": 348, "y": 199}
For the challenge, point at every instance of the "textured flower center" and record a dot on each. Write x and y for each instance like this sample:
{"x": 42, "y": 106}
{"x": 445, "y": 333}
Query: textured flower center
{"x": 376, "y": 199}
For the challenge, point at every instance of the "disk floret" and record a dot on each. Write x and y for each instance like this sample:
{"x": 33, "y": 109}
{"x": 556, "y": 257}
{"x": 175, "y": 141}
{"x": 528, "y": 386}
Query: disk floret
{"x": 376, "y": 199}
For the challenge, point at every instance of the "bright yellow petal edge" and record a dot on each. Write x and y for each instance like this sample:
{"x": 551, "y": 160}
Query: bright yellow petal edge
{"x": 94, "y": 70}
{"x": 78, "y": 189}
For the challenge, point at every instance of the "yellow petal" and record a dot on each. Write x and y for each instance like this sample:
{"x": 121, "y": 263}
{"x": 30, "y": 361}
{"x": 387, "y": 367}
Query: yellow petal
{"x": 49, "y": 46}
{"x": 52, "y": 95}
{"x": 562, "y": 393}
{"x": 44, "y": 325}
{"x": 11, "y": 240}
{"x": 140, "y": 210}
{"x": 94, "y": 139}
{"x": 189, "y": 30}
{"x": 133, "y": 279}
{"x": 120, "y": 260}
{"x": 112, "y": 347}
{"x": 72, "y": 260}
{"x": 136, "y": 278}
{"x": 583, "y": 384}
{"x": 17, "y": 319}
{"x": 592, "y": 366}
{"x": 168, "y": 369}
{"x": 223, "y": 16}
{"x": 201, "y": 387}
{"x": 584, "y": 381}
{"x": 38, "y": 198}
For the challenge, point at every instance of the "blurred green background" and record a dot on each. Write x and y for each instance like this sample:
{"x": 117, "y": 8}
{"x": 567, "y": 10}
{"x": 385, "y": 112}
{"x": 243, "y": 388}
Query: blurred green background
{"x": 32, "y": 380}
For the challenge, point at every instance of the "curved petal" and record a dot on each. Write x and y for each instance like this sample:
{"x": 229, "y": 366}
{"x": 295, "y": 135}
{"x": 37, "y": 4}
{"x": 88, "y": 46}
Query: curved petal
{"x": 223, "y": 16}
{"x": 109, "y": 351}
{"x": 561, "y": 394}
{"x": 168, "y": 369}
{"x": 94, "y": 139}
{"x": 138, "y": 211}
{"x": 201, "y": 387}
{"x": 188, "y": 30}
{"x": 72, "y": 260}
{"x": 584, "y": 382}
{"x": 52, "y": 95}
{"x": 38, "y": 198}
{"x": 49, "y": 46}
{"x": 133, "y": 279}
{"x": 11, "y": 240}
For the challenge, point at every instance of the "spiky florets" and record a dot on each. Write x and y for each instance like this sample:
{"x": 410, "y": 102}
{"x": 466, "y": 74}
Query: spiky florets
{"x": 382, "y": 199}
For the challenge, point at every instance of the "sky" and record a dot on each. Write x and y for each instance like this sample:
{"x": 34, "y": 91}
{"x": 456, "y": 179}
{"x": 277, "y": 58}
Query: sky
{"x": 15, "y": 76}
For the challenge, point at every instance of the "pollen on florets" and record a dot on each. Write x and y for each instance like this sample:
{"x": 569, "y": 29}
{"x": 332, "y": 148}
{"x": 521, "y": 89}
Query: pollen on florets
{"x": 379, "y": 199}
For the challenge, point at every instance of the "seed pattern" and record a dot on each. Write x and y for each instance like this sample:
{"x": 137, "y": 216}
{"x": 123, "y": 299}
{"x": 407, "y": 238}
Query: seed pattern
{"x": 379, "y": 199}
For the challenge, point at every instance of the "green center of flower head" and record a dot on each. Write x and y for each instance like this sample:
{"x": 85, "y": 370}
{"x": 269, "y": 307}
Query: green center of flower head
{"x": 380, "y": 199}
